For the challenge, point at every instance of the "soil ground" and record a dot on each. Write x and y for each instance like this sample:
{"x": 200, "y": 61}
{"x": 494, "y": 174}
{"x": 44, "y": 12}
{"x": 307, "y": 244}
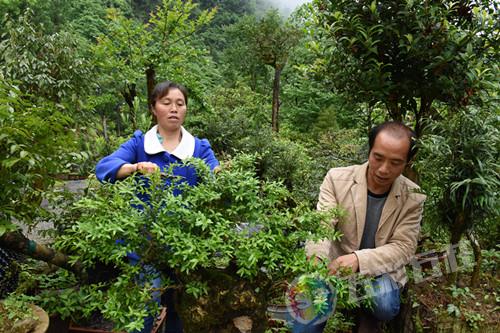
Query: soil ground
{"x": 439, "y": 307}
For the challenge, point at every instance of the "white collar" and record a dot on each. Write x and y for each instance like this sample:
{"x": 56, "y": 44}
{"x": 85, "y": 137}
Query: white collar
{"x": 184, "y": 150}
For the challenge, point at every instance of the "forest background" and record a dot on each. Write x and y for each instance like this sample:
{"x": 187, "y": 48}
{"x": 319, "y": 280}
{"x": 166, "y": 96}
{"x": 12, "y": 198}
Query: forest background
{"x": 300, "y": 89}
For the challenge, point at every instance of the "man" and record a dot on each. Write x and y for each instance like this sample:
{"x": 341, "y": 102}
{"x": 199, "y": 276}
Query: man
{"x": 380, "y": 231}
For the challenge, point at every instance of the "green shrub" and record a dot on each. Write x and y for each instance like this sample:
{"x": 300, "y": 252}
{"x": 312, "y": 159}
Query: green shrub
{"x": 34, "y": 142}
{"x": 229, "y": 240}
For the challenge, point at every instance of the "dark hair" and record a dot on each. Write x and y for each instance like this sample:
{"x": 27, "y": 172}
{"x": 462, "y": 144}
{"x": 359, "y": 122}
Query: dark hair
{"x": 162, "y": 89}
{"x": 397, "y": 129}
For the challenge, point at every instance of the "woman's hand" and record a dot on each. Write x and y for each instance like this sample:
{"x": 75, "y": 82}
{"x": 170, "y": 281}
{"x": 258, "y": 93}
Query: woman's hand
{"x": 146, "y": 167}
{"x": 142, "y": 167}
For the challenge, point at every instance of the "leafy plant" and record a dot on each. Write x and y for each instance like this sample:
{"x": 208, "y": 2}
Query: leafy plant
{"x": 237, "y": 124}
{"x": 473, "y": 319}
{"x": 462, "y": 295}
{"x": 453, "y": 310}
{"x": 51, "y": 67}
{"x": 491, "y": 258}
{"x": 132, "y": 53}
{"x": 465, "y": 180}
{"x": 61, "y": 293}
{"x": 15, "y": 315}
{"x": 408, "y": 54}
{"x": 33, "y": 142}
{"x": 229, "y": 239}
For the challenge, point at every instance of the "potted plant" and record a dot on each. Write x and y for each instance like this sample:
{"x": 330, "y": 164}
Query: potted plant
{"x": 228, "y": 240}
{"x": 18, "y": 316}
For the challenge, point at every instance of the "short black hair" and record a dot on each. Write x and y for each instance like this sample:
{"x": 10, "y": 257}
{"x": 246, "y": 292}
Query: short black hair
{"x": 398, "y": 129}
{"x": 162, "y": 89}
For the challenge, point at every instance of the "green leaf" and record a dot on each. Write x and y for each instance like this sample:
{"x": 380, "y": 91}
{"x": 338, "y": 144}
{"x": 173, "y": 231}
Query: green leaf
{"x": 409, "y": 37}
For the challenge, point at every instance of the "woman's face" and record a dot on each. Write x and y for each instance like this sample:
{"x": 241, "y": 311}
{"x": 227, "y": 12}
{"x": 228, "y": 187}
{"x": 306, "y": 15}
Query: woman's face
{"x": 170, "y": 110}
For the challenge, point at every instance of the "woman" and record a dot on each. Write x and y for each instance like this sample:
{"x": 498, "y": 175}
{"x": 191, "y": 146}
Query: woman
{"x": 164, "y": 144}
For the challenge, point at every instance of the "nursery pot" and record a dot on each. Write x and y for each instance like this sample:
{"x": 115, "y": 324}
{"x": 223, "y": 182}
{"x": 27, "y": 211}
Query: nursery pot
{"x": 43, "y": 319}
{"x": 160, "y": 320}
{"x": 281, "y": 314}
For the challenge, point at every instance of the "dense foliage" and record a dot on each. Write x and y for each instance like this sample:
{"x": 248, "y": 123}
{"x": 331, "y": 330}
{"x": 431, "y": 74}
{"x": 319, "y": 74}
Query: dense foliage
{"x": 408, "y": 54}
{"x": 229, "y": 239}
{"x": 34, "y": 146}
{"x": 76, "y": 77}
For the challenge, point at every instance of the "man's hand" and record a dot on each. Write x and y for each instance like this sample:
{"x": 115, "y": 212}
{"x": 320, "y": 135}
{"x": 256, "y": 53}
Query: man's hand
{"x": 315, "y": 260}
{"x": 347, "y": 261}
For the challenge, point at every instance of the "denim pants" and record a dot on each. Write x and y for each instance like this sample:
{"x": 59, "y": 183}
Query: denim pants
{"x": 154, "y": 275}
{"x": 386, "y": 303}
{"x": 173, "y": 324}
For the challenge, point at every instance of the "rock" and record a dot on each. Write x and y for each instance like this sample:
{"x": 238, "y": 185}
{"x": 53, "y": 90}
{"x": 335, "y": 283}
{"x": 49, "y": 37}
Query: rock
{"x": 243, "y": 324}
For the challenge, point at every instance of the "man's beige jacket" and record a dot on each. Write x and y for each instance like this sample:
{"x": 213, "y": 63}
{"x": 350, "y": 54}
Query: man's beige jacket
{"x": 398, "y": 229}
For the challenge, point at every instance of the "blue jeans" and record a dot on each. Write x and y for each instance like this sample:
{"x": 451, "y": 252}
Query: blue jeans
{"x": 149, "y": 271}
{"x": 386, "y": 303}
{"x": 386, "y": 298}
{"x": 173, "y": 323}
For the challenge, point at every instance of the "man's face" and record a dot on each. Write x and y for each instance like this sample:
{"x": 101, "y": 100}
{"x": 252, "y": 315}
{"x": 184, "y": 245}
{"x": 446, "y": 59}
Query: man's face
{"x": 386, "y": 161}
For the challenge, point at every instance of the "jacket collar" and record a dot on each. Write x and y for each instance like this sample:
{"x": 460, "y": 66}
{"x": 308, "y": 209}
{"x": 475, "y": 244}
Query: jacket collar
{"x": 184, "y": 150}
{"x": 360, "y": 197}
{"x": 360, "y": 178}
{"x": 359, "y": 192}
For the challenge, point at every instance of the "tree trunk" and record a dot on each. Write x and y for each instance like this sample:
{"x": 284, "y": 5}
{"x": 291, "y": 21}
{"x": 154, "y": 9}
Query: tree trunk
{"x": 253, "y": 80}
{"x": 118, "y": 119}
{"x": 228, "y": 299}
{"x": 151, "y": 82}
{"x": 369, "y": 120}
{"x": 457, "y": 230}
{"x": 422, "y": 114}
{"x": 476, "y": 248}
{"x": 276, "y": 97}
{"x": 105, "y": 134}
{"x": 392, "y": 105}
{"x": 129, "y": 95}
{"x": 105, "y": 129}
{"x": 18, "y": 242}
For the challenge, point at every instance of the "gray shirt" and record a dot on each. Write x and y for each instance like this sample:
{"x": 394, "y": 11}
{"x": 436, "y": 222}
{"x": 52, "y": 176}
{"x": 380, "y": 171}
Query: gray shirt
{"x": 373, "y": 211}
